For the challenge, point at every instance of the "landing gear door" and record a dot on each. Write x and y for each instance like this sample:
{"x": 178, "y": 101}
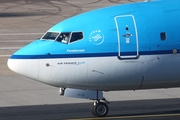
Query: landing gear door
{"x": 127, "y": 37}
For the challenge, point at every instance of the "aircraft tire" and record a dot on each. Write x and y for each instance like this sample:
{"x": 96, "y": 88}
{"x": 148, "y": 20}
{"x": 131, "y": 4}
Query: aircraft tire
{"x": 92, "y": 110}
{"x": 100, "y": 109}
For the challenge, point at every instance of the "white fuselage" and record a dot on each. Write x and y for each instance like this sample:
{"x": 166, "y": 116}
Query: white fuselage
{"x": 103, "y": 73}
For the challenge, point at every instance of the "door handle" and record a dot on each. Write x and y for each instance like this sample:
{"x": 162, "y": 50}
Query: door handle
{"x": 127, "y": 35}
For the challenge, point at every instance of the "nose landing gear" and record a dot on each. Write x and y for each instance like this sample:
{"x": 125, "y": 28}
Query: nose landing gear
{"x": 100, "y": 109}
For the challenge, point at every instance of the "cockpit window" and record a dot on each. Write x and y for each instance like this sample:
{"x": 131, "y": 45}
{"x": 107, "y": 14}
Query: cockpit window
{"x": 50, "y": 35}
{"x": 64, "y": 37}
{"x": 69, "y": 37}
{"x": 76, "y": 36}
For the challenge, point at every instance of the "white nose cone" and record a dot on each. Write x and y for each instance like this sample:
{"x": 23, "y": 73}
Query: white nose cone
{"x": 26, "y": 61}
{"x": 26, "y": 67}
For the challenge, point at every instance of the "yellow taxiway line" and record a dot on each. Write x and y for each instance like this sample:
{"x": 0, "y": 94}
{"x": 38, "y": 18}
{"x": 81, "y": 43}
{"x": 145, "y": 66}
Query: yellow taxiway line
{"x": 129, "y": 117}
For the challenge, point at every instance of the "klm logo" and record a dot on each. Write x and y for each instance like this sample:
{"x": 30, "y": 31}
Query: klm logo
{"x": 96, "y": 37}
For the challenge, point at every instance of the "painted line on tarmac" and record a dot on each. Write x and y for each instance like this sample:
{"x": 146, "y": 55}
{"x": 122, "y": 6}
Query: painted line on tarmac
{"x": 129, "y": 117}
{"x": 16, "y": 41}
{"x": 5, "y": 55}
{"x": 9, "y": 48}
{"x": 5, "y": 34}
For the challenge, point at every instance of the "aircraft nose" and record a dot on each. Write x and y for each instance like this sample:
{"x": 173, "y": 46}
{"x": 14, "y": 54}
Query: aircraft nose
{"x": 25, "y": 61}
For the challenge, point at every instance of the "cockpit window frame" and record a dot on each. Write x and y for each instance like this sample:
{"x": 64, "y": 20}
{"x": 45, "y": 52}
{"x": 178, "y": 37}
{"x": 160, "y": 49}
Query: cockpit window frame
{"x": 70, "y": 37}
{"x": 78, "y": 39}
{"x": 51, "y": 32}
{"x": 64, "y": 37}
{"x": 67, "y": 34}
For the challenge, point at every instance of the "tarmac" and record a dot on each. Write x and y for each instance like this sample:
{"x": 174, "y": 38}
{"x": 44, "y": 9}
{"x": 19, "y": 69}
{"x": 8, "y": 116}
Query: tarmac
{"x": 23, "y": 21}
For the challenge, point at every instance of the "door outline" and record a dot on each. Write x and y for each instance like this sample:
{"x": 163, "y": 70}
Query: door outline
{"x": 119, "y": 38}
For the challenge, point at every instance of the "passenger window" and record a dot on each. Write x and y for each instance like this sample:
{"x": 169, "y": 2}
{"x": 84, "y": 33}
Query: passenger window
{"x": 76, "y": 36}
{"x": 163, "y": 36}
{"x": 50, "y": 35}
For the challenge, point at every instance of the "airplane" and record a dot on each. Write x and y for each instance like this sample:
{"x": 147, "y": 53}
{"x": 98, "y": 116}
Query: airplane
{"x": 130, "y": 46}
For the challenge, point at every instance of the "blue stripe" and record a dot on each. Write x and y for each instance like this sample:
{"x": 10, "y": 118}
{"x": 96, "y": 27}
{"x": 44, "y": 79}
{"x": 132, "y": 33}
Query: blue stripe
{"x": 157, "y": 52}
{"x": 89, "y": 55}
{"x": 63, "y": 56}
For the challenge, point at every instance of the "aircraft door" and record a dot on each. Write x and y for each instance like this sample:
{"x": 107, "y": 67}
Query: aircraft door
{"x": 127, "y": 37}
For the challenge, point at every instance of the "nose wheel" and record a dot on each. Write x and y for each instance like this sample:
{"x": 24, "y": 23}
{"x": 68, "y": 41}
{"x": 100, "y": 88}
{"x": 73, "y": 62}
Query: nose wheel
{"x": 99, "y": 109}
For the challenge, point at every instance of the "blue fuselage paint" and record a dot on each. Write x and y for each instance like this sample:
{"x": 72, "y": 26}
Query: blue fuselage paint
{"x": 151, "y": 18}
{"x": 121, "y": 49}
